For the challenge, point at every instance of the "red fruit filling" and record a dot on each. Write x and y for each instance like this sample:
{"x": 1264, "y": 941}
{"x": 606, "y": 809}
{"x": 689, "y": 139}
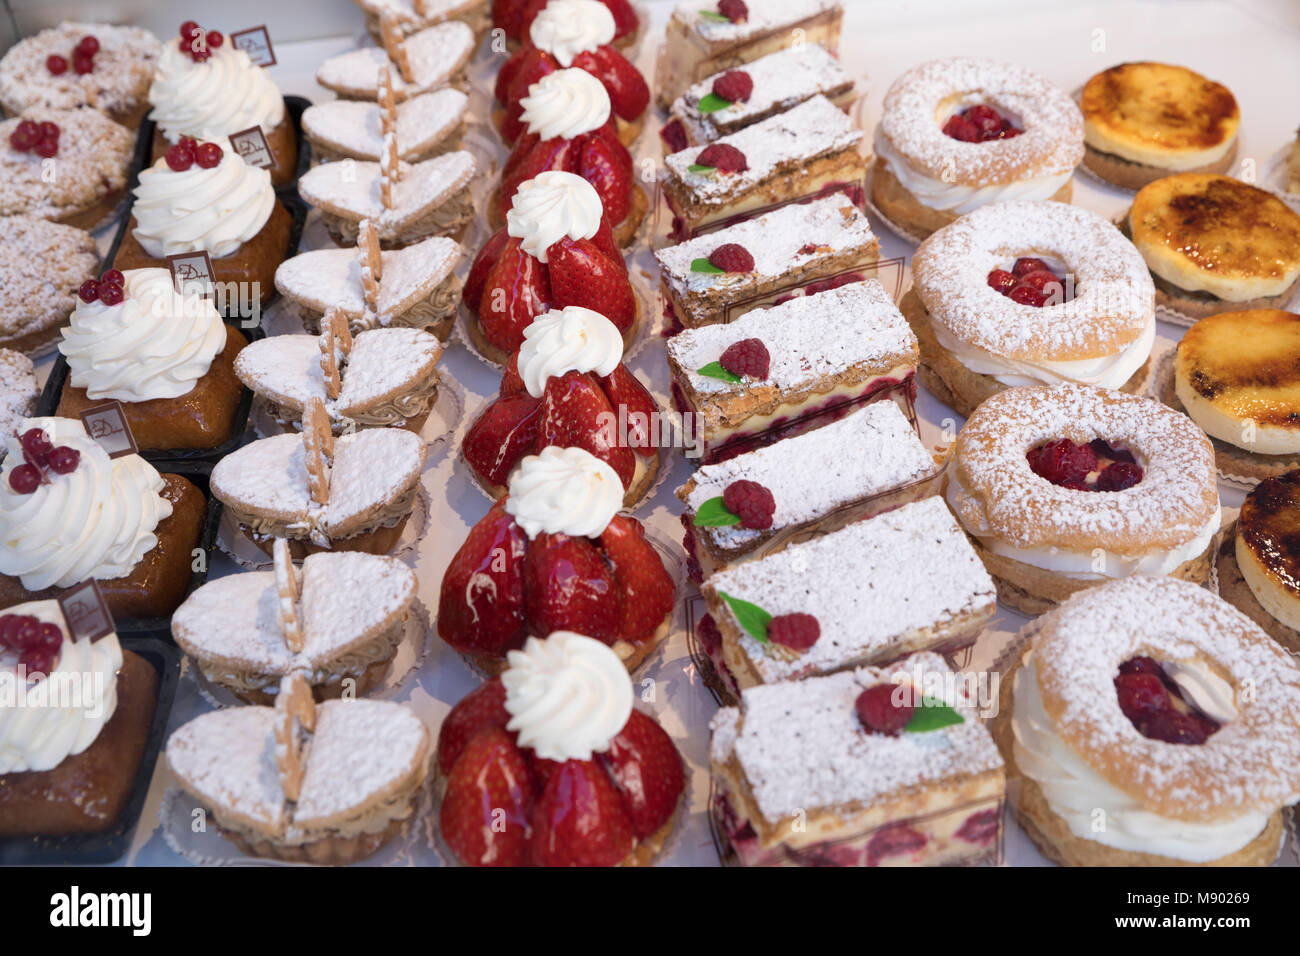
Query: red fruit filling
{"x": 706, "y": 629}
{"x": 979, "y": 124}
{"x": 674, "y": 135}
{"x": 732, "y": 257}
{"x": 980, "y": 827}
{"x": 734, "y": 86}
{"x": 894, "y": 841}
{"x": 1030, "y": 281}
{"x": 1096, "y": 466}
{"x": 746, "y": 357}
{"x": 795, "y": 631}
{"x": 723, "y": 157}
{"x": 1156, "y": 706}
{"x": 752, "y": 502}
{"x": 878, "y": 711}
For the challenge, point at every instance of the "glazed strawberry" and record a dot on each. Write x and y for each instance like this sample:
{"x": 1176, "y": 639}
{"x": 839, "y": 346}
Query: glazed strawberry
{"x": 795, "y": 631}
{"x": 481, "y": 602}
{"x": 514, "y": 292}
{"x": 604, "y": 241}
{"x": 512, "y": 382}
{"x": 472, "y": 292}
{"x": 580, "y": 274}
{"x": 647, "y": 770}
{"x": 518, "y": 15}
{"x": 508, "y": 15}
{"x": 628, "y": 92}
{"x": 611, "y": 173}
{"x": 646, "y": 588}
{"x": 579, "y": 819}
{"x": 486, "y": 810}
{"x": 505, "y": 432}
{"x": 723, "y": 157}
{"x": 568, "y": 586}
{"x": 481, "y": 708}
{"x": 623, "y": 389}
{"x": 519, "y": 73}
{"x": 562, "y": 154}
{"x": 577, "y": 414}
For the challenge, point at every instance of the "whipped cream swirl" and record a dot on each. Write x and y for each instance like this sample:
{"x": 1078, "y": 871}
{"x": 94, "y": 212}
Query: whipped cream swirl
{"x": 225, "y": 94}
{"x": 217, "y": 209}
{"x": 566, "y": 28}
{"x": 568, "y": 696}
{"x": 62, "y": 715}
{"x": 155, "y": 343}
{"x": 549, "y": 207}
{"x": 564, "y": 491}
{"x": 97, "y": 522}
{"x": 565, "y": 104}
{"x": 572, "y": 339}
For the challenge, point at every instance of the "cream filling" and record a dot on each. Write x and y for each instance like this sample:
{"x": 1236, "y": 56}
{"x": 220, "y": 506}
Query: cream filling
{"x": 1175, "y": 161}
{"x": 761, "y": 199}
{"x": 1095, "y": 809}
{"x": 1242, "y": 433}
{"x": 1272, "y": 596}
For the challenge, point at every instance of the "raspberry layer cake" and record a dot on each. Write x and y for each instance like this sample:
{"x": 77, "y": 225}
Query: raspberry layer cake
{"x": 810, "y": 150}
{"x": 961, "y": 133}
{"x": 872, "y": 767}
{"x": 1153, "y": 706}
{"x": 594, "y": 783}
{"x": 721, "y": 276}
{"x": 705, "y": 37}
{"x": 43, "y": 263}
{"x": 424, "y": 61}
{"x": 756, "y": 503}
{"x": 1029, "y": 293}
{"x": 757, "y": 379}
{"x": 1065, "y": 487}
{"x": 1259, "y": 563}
{"x": 794, "y": 614}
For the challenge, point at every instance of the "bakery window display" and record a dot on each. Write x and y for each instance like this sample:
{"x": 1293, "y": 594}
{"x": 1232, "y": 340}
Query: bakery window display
{"x": 516, "y": 18}
{"x": 426, "y": 60}
{"x": 43, "y": 264}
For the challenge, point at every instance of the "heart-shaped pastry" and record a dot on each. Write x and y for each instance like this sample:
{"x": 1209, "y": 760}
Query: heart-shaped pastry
{"x": 419, "y": 63}
{"x": 412, "y": 16}
{"x": 426, "y": 125}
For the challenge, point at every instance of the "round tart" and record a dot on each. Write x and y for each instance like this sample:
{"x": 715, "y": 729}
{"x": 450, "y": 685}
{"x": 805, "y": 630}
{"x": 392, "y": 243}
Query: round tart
{"x": 43, "y": 263}
{"x": 1027, "y": 293}
{"x": 1215, "y": 244}
{"x": 516, "y": 18}
{"x": 1142, "y": 121}
{"x": 1259, "y": 563}
{"x": 1064, "y": 487}
{"x": 1155, "y": 708}
{"x": 960, "y": 133}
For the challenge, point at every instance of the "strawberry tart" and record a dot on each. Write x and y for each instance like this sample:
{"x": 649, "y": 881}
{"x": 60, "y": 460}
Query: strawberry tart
{"x": 516, "y": 18}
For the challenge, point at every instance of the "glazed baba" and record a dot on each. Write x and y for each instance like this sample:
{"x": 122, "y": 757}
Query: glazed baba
{"x": 44, "y": 263}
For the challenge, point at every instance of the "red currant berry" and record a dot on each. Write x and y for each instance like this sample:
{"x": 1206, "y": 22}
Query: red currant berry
{"x": 56, "y": 64}
{"x": 179, "y": 158}
{"x": 64, "y": 460}
{"x": 110, "y": 294}
{"x": 208, "y": 155}
{"x": 200, "y": 56}
{"x": 47, "y": 148}
{"x": 81, "y": 63}
{"x": 20, "y": 142}
{"x": 89, "y": 291}
{"x": 188, "y": 29}
{"x": 36, "y": 445}
{"x": 9, "y": 630}
{"x": 49, "y": 130}
{"x": 50, "y": 640}
{"x": 113, "y": 277}
{"x": 27, "y": 633}
{"x": 215, "y": 39}
{"x": 38, "y": 664}
{"x": 88, "y": 45}
{"x": 25, "y": 479}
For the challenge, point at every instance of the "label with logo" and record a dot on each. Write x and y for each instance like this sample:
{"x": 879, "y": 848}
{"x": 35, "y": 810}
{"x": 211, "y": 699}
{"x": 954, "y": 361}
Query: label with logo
{"x": 107, "y": 424}
{"x": 192, "y": 272}
{"x": 252, "y": 147}
{"x": 256, "y": 42}
{"x": 86, "y": 611}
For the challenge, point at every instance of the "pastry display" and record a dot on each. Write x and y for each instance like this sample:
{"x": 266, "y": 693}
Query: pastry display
{"x": 564, "y": 386}
{"x": 425, "y": 126}
{"x": 423, "y": 61}
{"x": 1142, "y": 121}
{"x": 414, "y": 16}
{"x": 961, "y": 133}
{"x": 302, "y": 782}
{"x": 337, "y": 620}
{"x": 555, "y": 555}
{"x": 593, "y": 783}
{"x": 1028, "y": 293}
{"x": 100, "y": 65}
{"x": 1259, "y": 564}
{"x": 1215, "y": 244}
{"x": 1155, "y": 703}
{"x": 1064, "y": 487}
{"x": 776, "y": 370}
{"x": 1293, "y": 167}
{"x": 18, "y": 391}
{"x": 863, "y": 768}
{"x": 43, "y": 264}
{"x": 516, "y": 18}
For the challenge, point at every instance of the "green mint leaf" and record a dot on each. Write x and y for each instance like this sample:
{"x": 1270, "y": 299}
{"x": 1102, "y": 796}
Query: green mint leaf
{"x": 715, "y": 16}
{"x": 932, "y": 715}
{"x": 751, "y": 617}
{"x": 697, "y": 168}
{"x": 715, "y": 370}
{"x": 704, "y": 265}
{"x": 714, "y": 514}
{"x": 711, "y": 103}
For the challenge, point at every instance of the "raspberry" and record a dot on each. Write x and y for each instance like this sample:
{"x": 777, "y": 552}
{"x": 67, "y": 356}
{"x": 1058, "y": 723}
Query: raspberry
{"x": 1119, "y": 475}
{"x": 723, "y": 157}
{"x": 1001, "y": 281}
{"x": 878, "y": 713}
{"x": 674, "y": 135}
{"x": 1141, "y": 695}
{"x": 894, "y": 841}
{"x": 734, "y": 10}
{"x": 734, "y": 86}
{"x": 795, "y": 631}
{"x": 752, "y": 502}
{"x": 746, "y": 357}
{"x": 1062, "y": 461}
{"x": 986, "y": 119}
{"x": 1027, "y": 264}
{"x": 731, "y": 257}
{"x": 706, "y": 629}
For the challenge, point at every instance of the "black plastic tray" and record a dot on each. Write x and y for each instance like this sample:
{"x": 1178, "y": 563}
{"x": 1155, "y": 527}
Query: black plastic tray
{"x": 105, "y": 847}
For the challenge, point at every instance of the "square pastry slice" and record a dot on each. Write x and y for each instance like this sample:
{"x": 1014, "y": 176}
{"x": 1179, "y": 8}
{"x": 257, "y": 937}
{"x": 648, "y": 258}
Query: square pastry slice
{"x": 904, "y": 581}
{"x": 867, "y": 462}
{"x": 873, "y": 767}
{"x": 818, "y": 244}
{"x": 798, "y": 360}
{"x": 703, "y": 38}
{"x": 809, "y": 150}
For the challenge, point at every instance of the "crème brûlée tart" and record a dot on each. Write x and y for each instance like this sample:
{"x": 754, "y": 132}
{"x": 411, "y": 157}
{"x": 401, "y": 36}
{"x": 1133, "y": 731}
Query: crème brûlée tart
{"x": 1216, "y": 244}
{"x": 1142, "y": 121}
{"x": 1259, "y": 564}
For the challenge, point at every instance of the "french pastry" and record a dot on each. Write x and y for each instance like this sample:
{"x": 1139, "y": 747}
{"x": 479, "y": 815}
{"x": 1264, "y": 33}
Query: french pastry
{"x": 732, "y": 99}
{"x": 409, "y": 287}
{"x": 166, "y": 356}
{"x": 594, "y": 783}
{"x": 1259, "y": 564}
{"x": 720, "y": 276}
{"x": 380, "y": 378}
{"x": 704, "y": 38}
{"x": 794, "y": 613}
{"x": 1215, "y": 244}
{"x": 337, "y": 620}
{"x": 516, "y": 18}
{"x": 351, "y": 493}
{"x": 566, "y": 385}
{"x": 961, "y": 133}
{"x": 425, "y": 126}
{"x": 426, "y": 60}
{"x": 869, "y": 767}
{"x": 303, "y": 782}
{"x": 1293, "y": 167}
{"x": 205, "y": 89}
{"x": 100, "y": 65}
{"x": 566, "y": 126}
{"x": 556, "y": 250}
{"x": 203, "y": 197}
{"x": 556, "y": 555}
{"x": 69, "y": 765}
{"x": 571, "y": 33}
{"x": 1029, "y": 293}
{"x": 809, "y": 150}
{"x": 18, "y": 391}
{"x": 788, "y": 367}
{"x": 90, "y": 154}
{"x": 1065, "y": 487}
{"x": 815, "y": 483}
{"x": 413, "y": 16}
{"x": 1153, "y": 708}
{"x": 1143, "y": 121}
{"x": 68, "y": 512}
{"x": 43, "y": 264}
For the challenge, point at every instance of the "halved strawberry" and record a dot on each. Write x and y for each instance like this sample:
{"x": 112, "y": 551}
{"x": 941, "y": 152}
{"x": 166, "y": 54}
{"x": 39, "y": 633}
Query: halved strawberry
{"x": 628, "y": 92}
{"x": 646, "y": 588}
{"x": 483, "y": 707}
{"x": 487, "y": 809}
{"x": 579, "y": 819}
{"x": 622, "y": 388}
{"x": 533, "y": 64}
{"x": 569, "y": 587}
{"x": 472, "y": 292}
{"x": 576, "y": 414}
{"x": 504, "y": 433}
{"x": 481, "y": 601}
{"x": 647, "y": 769}
{"x": 558, "y": 154}
{"x": 516, "y": 292}
{"x": 605, "y": 169}
{"x": 580, "y": 274}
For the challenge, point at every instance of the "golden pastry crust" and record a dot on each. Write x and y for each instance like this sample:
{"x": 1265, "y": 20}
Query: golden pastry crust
{"x": 1131, "y": 175}
{"x": 1234, "y": 589}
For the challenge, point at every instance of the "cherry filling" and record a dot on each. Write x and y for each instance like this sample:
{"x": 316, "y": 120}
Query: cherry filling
{"x": 898, "y": 840}
{"x": 979, "y": 124}
{"x": 1096, "y": 466}
{"x": 1031, "y": 281}
{"x": 1156, "y": 705}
